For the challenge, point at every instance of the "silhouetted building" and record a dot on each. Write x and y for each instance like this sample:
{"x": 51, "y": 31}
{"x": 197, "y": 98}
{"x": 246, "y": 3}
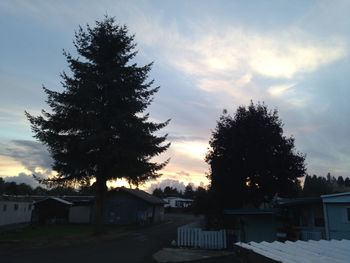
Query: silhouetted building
{"x": 132, "y": 206}
{"x": 52, "y": 210}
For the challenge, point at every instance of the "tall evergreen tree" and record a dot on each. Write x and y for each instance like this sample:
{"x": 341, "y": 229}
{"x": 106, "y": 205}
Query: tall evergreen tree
{"x": 347, "y": 182}
{"x": 340, "y": 181}
{"x": 251, "y": 160}
{"x": 97, "y": 127}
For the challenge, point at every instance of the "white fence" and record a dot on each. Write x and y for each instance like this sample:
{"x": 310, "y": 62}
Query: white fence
{"x": 198, "y": 238}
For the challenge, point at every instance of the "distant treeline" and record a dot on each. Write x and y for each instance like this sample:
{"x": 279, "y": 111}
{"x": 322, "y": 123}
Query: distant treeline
{"x": 319, "y": 185}
{"x": 12, "y": 188}
{"x": 313, "y": 186}
{"x": 169, "y": 191}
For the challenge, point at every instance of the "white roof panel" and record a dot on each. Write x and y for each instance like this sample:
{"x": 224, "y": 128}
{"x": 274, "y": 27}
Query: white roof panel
{"x": 323, "y": 251}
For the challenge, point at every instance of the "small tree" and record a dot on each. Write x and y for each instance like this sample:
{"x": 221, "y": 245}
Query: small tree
{"x": 189, "y": 192}
{"x": 251, "y": 160}
{"x": 158, "y": 192}
{"x": 97, "y": 127}
{"x": 170, "y": 191}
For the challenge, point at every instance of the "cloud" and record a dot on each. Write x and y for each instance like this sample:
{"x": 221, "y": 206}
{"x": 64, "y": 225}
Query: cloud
{"x": 287, "y": 57}
{"x": 191, "y": 149}
{"x": 167, "y": 182}
{"x": 236, "y": 49}
{"x": 23, "y": 178}
{"x": 236, "y": 64}
{"x": 184, "y": 138}
{"x": 24, "y": 157}
{"x": 279, "y": 90}
{"x": 183, "y": 173}
{"x": 10, "y": 166}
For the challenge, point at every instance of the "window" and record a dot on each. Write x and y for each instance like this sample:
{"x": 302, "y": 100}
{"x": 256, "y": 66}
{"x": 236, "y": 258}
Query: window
{"x": 4, "y": 208}
{"x": 15, "y": 207}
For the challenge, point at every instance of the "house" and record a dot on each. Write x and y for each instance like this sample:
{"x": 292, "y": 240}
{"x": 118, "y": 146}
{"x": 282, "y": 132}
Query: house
{"x": 15, "y": 210}
{"x": 302, "y": 218}
{"x": 336, "y": 209}
{"x": 283, "y": 219}
{"x": 132, "y": 206}
{"x": 177, "y": 202}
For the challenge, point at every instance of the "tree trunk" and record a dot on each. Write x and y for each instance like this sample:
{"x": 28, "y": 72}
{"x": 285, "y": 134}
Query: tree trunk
{"x": 101, "y": 190}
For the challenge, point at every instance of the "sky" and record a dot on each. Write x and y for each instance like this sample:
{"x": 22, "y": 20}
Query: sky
{"x": 208, "y": 56}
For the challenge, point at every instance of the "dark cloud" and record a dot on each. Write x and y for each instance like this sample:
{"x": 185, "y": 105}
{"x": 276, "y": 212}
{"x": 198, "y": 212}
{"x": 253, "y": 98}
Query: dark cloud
{"x": 30, "y": 154}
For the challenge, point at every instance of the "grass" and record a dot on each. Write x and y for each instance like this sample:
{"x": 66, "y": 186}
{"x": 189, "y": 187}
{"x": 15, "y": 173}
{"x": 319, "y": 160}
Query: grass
{"x": 58, "y": 235}
{"x": 54, "y": 231}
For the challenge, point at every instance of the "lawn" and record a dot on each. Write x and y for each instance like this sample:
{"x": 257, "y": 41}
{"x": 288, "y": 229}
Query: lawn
{"x": 58, "y": 235}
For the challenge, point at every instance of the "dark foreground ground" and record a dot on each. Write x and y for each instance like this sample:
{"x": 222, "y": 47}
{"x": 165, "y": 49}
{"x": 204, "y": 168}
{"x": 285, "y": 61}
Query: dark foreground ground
{"x": 138, "y": 245}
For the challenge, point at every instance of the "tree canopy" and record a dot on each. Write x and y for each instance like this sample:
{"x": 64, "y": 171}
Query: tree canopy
{"x": 251, "y": 159}
{"x": 97, "y": 127}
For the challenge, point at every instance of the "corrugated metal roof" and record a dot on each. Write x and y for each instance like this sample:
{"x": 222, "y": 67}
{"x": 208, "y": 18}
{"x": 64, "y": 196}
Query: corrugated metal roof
{"x": 323, "y": 251}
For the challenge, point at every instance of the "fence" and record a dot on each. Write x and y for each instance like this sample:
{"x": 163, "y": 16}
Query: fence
{"x": 198, "y": 238}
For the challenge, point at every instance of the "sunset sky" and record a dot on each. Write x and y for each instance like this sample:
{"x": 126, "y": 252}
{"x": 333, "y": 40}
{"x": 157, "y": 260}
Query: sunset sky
{"x": 209, "y": 55}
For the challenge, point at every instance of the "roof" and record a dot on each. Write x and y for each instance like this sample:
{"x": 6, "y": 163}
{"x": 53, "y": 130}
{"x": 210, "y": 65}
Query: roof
{"x": 298, "y": 201}
{"x": 335, "y": 195}
{"x": 151, "y": 199}
{"x": 178, "y": 199}
{"x": 57, "y": 199}
{"x": 246, "y": 211}
{"x": 79, "y": 200}
{"x": 323, "y": 251}
{"x": 14, "y": 198}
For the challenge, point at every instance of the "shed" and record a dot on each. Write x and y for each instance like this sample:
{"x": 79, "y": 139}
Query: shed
{"x": 132, "y": 206}
{"x": 51, "y": 210}
{"x": 336, "y": 208}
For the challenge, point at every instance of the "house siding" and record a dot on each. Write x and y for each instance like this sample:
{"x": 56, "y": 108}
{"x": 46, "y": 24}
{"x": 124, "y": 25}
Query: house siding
{"x": 80, "y": 214}
{"x": 258, "y": 228}
{"x": 337, "y": 223}
{"x": 9, "y": 215}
